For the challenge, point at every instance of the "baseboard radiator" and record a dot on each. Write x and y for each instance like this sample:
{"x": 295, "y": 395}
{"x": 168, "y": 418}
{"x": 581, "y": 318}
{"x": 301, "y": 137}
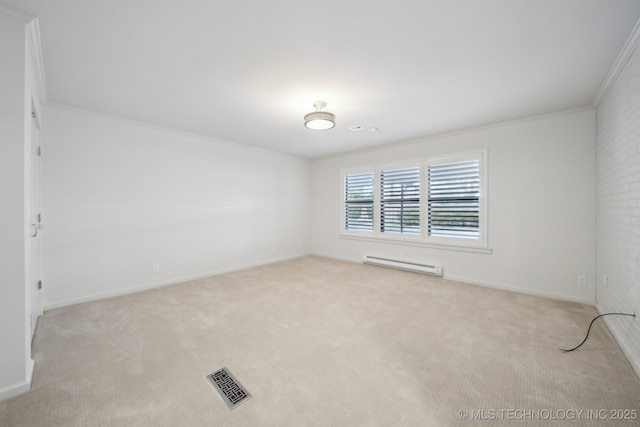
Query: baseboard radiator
{"x": 434, "y": 270}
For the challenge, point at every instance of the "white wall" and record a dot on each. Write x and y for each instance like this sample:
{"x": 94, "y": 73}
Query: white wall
{"x": 618, "y": 206}
{"x": 541, "y": 208}
{"x": 118, "y": 197}
{"x": 15, "y": 357}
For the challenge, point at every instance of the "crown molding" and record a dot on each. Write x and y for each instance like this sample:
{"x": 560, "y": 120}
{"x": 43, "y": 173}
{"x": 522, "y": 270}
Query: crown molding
{"x": 627, "y": 50}
{"x": 173, "y": 131}
{"x": 35, "y": 47}
{"x": 453, "y": 133}
{"x": 14, "y": 14}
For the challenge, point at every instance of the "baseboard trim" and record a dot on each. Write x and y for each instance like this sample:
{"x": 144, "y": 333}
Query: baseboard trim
{"x": 21, "y": 387}
{"x": 526, "y": 291}
{"x": 487, "y": 284}
{"x": 635, "y": 364}
{"x": 173, "y": 281}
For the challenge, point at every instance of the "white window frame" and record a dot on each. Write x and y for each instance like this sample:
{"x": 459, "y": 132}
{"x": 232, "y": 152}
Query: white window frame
{"x": 453, "y": 243}
{"x": 377, "y": 201}
{"x": 343, "y": 204}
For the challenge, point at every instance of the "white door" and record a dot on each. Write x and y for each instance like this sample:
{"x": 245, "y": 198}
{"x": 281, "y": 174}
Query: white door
{"x": 35, "y": 217}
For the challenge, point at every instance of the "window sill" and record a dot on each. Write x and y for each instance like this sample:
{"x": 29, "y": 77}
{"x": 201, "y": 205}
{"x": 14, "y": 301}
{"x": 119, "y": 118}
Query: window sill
{"x": 459, "y": 248}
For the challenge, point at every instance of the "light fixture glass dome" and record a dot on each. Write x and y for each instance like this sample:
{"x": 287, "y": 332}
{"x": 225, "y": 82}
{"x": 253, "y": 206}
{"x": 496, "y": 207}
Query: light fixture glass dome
{"x": 319, "y": 119}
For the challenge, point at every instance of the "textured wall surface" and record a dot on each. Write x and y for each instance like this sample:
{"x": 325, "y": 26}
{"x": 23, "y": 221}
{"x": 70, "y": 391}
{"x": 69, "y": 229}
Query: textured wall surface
{"x": 618, "y": 206}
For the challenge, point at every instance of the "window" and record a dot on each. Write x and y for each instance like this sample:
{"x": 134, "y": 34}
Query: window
{"x": 400, "y": 201}
{"x": 437, "y": 201}
{"x": 358, "y": 201}
{"x": 454, "y": 199}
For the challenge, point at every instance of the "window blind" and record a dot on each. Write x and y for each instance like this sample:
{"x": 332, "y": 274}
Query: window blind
{"x": 358, "y": 201}
{"x": 400, "y": 201}
{"x": 454, "y": 199}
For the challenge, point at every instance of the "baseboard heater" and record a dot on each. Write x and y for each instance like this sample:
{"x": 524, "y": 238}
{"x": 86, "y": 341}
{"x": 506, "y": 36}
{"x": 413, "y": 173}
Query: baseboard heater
{"x": 434, "y": 270}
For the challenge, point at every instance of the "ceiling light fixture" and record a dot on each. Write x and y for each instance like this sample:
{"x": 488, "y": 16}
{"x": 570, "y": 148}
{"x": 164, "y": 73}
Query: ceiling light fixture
{"x": 320, "y": 119}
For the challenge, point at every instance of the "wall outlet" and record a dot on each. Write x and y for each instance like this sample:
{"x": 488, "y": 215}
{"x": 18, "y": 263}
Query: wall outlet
{"x": 155, "y": 268}
{"x": 582, "y": 280}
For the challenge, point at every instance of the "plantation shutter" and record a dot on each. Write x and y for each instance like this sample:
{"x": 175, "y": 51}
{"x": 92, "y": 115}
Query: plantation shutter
{"x": 454, "y": 199}
{"x": 358, "y": 201}
{"x": 400, "y": 201}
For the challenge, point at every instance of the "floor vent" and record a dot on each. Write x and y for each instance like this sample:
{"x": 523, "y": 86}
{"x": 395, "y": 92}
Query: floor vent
{"x": 229, "y": 388}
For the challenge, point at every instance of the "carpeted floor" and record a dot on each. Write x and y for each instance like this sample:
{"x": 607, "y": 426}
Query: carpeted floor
{"x": 320, "y": 342}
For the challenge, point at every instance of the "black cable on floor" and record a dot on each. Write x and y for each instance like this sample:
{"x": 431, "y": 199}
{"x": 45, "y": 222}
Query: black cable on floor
{"x": 591, "y": 324}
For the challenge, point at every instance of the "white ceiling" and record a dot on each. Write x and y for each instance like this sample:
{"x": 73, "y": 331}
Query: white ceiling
{"x": 247, "y": 71}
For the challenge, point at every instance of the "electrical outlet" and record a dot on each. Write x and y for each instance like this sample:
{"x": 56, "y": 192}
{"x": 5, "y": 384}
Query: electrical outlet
{"x": 155, "y": 268}
{"x": 582, "y": 280}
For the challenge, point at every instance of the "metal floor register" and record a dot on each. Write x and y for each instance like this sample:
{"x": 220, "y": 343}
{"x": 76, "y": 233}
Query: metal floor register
{"x": 231, "y": 391}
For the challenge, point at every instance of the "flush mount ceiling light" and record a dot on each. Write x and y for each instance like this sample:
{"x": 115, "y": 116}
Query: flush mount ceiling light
{"x": 320, "y": 119}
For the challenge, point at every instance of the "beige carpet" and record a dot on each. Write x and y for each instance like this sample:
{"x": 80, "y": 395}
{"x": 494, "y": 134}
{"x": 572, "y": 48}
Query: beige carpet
{"x": 320, "y": 342}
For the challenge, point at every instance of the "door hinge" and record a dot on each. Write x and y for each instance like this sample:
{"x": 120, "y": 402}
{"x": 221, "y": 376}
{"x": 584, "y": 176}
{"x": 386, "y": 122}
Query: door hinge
{"x": 39, "y": 218}
{"x": 39, "y": 151}
{"x": 39, "y": 284}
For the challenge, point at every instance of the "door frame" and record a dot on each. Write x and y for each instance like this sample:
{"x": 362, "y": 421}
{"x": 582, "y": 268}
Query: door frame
{"x": 34, "y": 223}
